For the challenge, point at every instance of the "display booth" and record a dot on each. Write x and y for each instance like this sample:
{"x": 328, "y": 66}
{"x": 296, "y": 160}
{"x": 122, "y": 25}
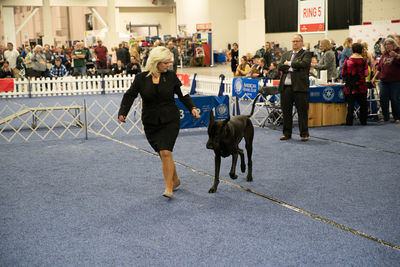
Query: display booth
{"x": 204, "y": 34}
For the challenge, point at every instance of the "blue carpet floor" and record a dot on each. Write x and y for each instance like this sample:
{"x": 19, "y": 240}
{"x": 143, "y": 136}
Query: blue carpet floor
{"x": 98, "y": 202}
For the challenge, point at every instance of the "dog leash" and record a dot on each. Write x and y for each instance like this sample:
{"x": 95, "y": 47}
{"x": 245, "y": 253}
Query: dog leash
{"x": 201, "y": 121}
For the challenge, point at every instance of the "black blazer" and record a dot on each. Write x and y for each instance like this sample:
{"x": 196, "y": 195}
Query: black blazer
{"x": 301, "y": 67}
{"x": 158, "y": 103}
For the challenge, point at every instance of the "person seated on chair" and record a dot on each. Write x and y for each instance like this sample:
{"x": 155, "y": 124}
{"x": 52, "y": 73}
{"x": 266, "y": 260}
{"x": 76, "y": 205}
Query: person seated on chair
{"x": 243, "y": 68}
{"x": 6, "y": 71}
{"x": 261, "y": 68}
{"x": 273, "y": 72}
{"x": 314, "y": 71}
{"x": 255, "y": 69}
{"x": 58, "y": 69}
{"x": 133, "y": 67}
{"x": 119, "y": 70}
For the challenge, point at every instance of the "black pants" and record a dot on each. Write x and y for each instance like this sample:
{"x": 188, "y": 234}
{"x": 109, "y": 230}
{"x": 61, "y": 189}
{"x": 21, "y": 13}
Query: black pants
{"x": 362, "y": 101}
{"x": 300, "y": 99}
{"x": 101, "y": 64}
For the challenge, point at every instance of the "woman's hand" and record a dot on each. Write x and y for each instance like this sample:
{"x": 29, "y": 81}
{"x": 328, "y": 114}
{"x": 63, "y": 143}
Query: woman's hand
{"x": 393, "y": 53}
{"x": 121, "y": 118}
{"x": 373, "y": 81}
{"x": 374, "y": 78}
{"x": 195, "y": 113}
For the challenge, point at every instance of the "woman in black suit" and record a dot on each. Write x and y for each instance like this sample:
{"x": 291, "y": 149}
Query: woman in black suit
{"x": 160, "y": 115}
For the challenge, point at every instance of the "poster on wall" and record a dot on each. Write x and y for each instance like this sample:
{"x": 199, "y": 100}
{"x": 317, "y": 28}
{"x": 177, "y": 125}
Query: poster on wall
{"x": 311, "y": 16}
{"x": 372, "y": 32}
{"x": 203, "y": 27}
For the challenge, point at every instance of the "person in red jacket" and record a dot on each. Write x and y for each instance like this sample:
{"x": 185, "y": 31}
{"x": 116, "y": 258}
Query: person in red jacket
{"x": 101, "y": 55}
{"x": 388, "y": 70}
{"x": 354, "y": 71}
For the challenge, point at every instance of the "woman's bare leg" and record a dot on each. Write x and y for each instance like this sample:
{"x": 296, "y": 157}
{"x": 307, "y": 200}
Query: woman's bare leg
{"x": 168, "y": 168}
{"x": 175, "y": 180}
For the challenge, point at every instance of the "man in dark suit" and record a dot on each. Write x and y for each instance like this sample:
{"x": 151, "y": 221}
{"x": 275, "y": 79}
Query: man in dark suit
{"x": 294, "y": 87}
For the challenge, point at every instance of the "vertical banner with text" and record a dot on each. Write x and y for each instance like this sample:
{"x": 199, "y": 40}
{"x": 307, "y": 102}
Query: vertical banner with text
{"x": 311, "y": 17}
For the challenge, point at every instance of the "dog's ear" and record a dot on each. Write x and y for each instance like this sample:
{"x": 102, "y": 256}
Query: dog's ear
{"x": 211, "y": 117}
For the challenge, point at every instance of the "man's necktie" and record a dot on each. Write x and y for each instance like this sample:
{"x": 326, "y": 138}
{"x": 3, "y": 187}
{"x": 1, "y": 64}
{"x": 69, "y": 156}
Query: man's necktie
{"x": 288, "y": 80}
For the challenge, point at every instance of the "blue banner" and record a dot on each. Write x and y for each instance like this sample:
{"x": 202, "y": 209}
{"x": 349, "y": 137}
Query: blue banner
{"x": 326, "y": 94}
{"x": 245, "y": 88}
{"x": 220, "y": 105}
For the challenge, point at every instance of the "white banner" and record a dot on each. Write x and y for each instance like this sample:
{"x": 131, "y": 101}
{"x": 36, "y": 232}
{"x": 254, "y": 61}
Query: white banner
{"x": 372, "y": 32}
{"x": 311, "y": 16}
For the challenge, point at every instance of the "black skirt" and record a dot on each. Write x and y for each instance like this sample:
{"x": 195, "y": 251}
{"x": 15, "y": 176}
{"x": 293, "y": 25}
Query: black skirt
{"x": 163, "y": 135}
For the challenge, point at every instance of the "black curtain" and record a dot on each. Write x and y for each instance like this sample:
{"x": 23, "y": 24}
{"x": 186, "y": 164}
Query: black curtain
{"x": 342, "y": 13}
{"x": 281, "y": 15}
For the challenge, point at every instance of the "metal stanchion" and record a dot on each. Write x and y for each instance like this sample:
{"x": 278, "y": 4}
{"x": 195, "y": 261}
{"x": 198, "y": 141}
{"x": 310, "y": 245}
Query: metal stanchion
{"x": 86, "y": 121}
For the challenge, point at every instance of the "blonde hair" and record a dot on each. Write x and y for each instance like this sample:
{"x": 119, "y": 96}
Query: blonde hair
{"x": 348, "y": 41}
{"x": 157, "y": 55}
{"x": 364, "y": 53}
{"x": 327, "y": 44}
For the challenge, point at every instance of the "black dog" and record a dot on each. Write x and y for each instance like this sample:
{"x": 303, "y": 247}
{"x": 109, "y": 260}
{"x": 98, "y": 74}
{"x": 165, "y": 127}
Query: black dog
{"x": 224, "y": 137}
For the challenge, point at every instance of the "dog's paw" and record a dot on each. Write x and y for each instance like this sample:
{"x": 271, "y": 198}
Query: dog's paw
{"x": 212, "y": 190}
{"x": 243, "y": 168}
{"x": 249, "y": 179}
{"x": 233, "y": 176}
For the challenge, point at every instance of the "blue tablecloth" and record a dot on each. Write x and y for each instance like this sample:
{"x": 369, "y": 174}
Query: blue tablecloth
{"x": 219, "y": 57}
{"x": 248, "y": 89}
{"x": 327, "y": 94}
{"x": 220, "y": 105}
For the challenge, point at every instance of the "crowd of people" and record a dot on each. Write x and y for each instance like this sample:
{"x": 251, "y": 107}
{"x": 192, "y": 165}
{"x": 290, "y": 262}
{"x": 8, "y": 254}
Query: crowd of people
{"x": 350, "y": 63}
{"x": 48, "y": 61}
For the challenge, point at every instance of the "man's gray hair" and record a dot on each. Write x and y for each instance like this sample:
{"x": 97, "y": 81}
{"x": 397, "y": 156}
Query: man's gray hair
{"x": 301, "y": 36}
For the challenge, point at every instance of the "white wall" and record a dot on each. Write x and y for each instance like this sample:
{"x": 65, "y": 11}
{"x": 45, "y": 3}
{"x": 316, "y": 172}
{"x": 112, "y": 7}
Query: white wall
{"x": 165, "y": 16}
{"x": 252, "y": 28}
{"x": 224, "y": 16}
{"x": 225, "y": 22}
{"x": 378, "y": 10}
{"x": 192, "y": 12}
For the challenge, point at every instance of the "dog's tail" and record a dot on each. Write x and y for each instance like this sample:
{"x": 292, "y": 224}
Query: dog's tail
{"x": 254, "y": 105}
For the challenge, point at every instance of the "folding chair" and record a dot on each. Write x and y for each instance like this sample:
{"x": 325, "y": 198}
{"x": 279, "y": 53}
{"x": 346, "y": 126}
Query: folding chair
{"x": 271, "y": 101}
{"x": 373, "y": 105}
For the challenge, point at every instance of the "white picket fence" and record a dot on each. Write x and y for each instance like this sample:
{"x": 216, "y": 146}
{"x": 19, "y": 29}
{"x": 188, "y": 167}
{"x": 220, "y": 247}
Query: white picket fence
{"x": 101, "y": 85}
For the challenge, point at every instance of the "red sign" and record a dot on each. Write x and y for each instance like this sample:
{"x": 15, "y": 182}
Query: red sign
{"x": 184, "y": 78}
{"x": 316, "y": 27}
{"x": 6, "y": 85}
{"x": 203, "y": 27}
{"x": 311, "y": 16}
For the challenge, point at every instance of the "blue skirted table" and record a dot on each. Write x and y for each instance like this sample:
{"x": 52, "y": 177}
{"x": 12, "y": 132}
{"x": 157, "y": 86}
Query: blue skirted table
{"x": 327, "y": 105}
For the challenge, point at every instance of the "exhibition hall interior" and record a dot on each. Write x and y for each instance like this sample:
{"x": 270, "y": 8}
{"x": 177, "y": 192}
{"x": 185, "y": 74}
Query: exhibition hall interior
{"x": 123, "y": 125}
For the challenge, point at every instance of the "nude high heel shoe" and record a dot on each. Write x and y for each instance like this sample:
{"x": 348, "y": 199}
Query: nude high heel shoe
{"x": 168, "y": 195}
